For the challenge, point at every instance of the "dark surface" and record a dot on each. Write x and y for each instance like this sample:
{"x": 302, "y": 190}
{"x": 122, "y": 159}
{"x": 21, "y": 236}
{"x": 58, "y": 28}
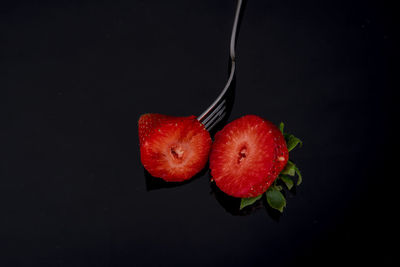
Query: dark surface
{"x": 74, "y": 79}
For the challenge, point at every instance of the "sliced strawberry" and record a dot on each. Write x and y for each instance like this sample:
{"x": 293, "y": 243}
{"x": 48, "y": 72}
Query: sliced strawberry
{"x": 173, "y": 148}
{"x": 247, "y": 156}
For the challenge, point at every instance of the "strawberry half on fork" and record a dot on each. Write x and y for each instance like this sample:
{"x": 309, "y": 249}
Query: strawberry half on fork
{"x": 173, "y": 148}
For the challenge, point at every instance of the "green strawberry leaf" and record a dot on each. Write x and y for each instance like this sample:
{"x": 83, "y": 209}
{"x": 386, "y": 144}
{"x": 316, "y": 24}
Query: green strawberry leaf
{"x": 278, "y": 187}
{"x": 275, "y": 199}
{"x": 248, "y": 201}
{"x": 290, "y": 169}
{"x": 281, "y": 126}
{"x": 299, "y": 179}
{"x": 287, "y": 180}
{"x": 292, "y": 142}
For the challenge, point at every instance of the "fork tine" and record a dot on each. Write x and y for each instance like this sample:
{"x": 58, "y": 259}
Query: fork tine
{"x": 216, "y": 122}
{"x": 206, "y": 115}
{"x": 213, "y": 112}
{"x": 216, "y": 117}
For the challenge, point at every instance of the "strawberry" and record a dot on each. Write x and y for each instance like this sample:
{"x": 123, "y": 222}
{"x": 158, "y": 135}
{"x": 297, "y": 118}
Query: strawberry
{"x": 173, "y": 148}
{"x": 247, "y": 156}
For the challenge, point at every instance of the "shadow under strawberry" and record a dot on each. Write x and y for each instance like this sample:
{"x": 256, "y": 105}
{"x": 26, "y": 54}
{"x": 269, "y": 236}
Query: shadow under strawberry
{"x": 154, "y": 183}
{"x": 232, "y": 204}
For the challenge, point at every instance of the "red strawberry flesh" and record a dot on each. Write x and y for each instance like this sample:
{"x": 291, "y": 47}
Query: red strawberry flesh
{"x": 247, "y": 156}
{"x": 173, "y": 148}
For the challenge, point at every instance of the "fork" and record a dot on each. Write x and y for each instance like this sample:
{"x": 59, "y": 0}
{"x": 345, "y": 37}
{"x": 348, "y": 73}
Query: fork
{"x": 218, "y": 109}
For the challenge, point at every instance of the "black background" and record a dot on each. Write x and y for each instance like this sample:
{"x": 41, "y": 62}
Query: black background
{"x": 75, "y": 77}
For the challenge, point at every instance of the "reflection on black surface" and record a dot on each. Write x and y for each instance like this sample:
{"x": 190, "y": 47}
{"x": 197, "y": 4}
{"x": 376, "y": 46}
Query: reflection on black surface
{"x": 293, "y": 191}
{"x": 273, "y": 213}
{"x": 153, "y": 183}
{"x": 232, "y": 204}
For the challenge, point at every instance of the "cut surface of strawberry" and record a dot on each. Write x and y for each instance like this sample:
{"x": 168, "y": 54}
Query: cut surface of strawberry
{"x": 173, "y": 148}
{"x": 247, "y": 156}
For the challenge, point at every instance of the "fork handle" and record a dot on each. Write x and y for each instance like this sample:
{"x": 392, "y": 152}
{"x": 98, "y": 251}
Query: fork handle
{"x": 208, "y": 118}
{"x": 234, "y": 30}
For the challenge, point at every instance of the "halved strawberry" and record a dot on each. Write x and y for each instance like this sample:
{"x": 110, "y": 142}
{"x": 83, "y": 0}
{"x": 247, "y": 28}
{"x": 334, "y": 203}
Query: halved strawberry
{"x": 173, "y": 148}
{"x": 247, "y": 156}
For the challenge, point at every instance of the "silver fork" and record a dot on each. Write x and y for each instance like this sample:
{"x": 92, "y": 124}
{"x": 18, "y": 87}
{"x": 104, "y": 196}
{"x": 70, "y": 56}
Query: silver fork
{"x": 218, "y": 109}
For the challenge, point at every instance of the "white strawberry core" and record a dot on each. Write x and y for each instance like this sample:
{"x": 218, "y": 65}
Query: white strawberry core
{"x": 242, "y": 154}
{"x": 177, "y": 152}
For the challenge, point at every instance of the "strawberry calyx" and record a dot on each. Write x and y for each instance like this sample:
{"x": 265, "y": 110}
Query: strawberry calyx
{"x": 273, "y": 195}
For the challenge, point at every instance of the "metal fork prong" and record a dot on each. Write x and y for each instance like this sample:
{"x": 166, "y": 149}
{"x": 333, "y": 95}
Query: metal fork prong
{"x": 215, "y": 118}
{"x": 204, "y": 116}
{"x": 213, "y": 112}
{"x": 216, "y": 115}
{"x": 216, "y": 122}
